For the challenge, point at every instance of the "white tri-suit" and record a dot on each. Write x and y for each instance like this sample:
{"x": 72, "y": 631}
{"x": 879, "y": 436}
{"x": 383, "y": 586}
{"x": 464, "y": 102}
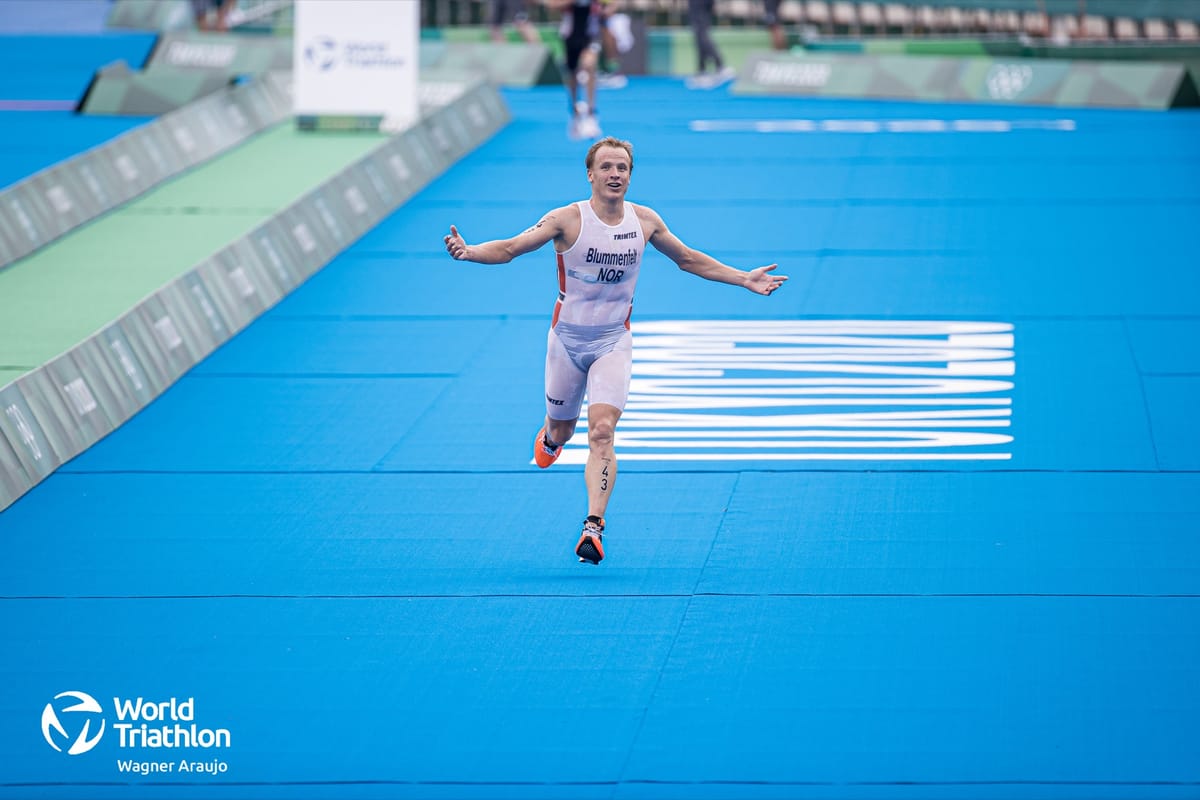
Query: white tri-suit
{"x": 589, "y": 346}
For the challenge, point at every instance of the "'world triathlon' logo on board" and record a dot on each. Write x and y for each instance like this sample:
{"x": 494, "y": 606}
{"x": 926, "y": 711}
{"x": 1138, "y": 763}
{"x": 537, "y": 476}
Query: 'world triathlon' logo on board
{"x": 68, "y": 720}
{"x": 321, "y": 53}
{"x": 324, "y": 53}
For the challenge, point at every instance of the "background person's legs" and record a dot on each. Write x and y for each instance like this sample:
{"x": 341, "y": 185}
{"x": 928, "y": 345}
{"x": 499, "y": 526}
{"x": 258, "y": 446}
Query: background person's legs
{"x": 700, "y": 16}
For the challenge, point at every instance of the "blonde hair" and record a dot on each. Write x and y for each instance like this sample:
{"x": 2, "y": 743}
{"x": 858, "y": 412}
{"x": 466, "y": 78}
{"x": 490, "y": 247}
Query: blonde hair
{"x": 609, "y": 141}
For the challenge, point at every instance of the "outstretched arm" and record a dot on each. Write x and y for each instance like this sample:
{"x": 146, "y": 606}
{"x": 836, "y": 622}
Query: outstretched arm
{"x": 501, "y": 251}
{"x": 759, "y": 280}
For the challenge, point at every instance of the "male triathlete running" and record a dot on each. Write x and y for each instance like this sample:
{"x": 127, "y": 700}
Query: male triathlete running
{"x": 599, "y": 244}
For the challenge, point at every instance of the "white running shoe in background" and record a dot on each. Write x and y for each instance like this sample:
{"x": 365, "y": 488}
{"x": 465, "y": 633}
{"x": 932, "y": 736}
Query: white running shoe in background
{"x": 711, "y": 80}
{"x": 611, "y": 80}
{"x": 589, "y": 127}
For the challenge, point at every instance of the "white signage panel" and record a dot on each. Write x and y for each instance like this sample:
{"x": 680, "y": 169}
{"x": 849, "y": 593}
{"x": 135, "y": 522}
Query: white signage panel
{"x": 357, "y": 58}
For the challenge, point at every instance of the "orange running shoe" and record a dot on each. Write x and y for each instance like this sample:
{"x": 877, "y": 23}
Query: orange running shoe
{"x": 591, "y": 542}
{"x": 542, "y": 454}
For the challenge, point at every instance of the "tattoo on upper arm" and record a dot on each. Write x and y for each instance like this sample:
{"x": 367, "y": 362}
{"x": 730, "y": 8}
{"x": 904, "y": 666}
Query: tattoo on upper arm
{"x": 540, "y": 223}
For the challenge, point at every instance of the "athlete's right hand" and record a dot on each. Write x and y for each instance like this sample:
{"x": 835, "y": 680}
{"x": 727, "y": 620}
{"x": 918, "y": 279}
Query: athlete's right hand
{"x": 455, "y": 245}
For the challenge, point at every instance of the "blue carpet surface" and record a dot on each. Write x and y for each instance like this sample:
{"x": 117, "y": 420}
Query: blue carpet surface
{"x": 42, "y": 17}
{"x": 921, "y": 525}
{"x": 45, "y": 74}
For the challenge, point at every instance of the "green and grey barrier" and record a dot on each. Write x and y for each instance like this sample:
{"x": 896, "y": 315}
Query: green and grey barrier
{"x": 987, "y": 80}
{"x": 183, "y": 67}
{"x": 117, "y": 89}
{"x": 229, "y": 54}
{"x": 58, "y": 199}
{"x": 173, "y": 15}
{"x": 633, "y": 62}
{"x": 186, "y": 67}
{"x": 507, "y": 64}
{"x": 151, "y": 15}
{"x": 52, "y": 412}
{"x": 672, "y": 51}
{"x": 1174, "y": 52}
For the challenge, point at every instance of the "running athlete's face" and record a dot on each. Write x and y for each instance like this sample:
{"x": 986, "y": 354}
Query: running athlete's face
{"x": 609, "y": 174}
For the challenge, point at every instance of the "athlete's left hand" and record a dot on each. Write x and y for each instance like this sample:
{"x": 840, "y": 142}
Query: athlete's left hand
{"x": 761, "y": 281}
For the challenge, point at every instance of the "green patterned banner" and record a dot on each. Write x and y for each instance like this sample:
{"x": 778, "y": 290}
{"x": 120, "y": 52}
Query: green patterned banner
{"x": 186, "y": 67}
{"x": 990, "y": 80}
{"x": 50, "y": 414}
{"x": 227, "y": 54}
{"x": 507, "y": 64}
{"x": 14, "y": 481}
{"x": 151, "y": 15}
{"x": 1177, "y": 52}
{"x": 25, "y": 439}
{"x": 174, "y": 15}
{"x": 116, "y": 89}
{"x": 39, "y": 209}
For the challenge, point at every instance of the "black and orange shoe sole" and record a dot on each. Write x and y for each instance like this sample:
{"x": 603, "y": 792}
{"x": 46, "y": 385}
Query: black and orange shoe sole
{"x": 590, "y": 548}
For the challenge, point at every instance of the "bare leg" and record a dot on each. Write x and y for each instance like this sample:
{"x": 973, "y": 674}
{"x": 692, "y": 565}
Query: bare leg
{"x": 608, "y": 44}
{"x": 560, "y": 431}
{"x": 528, "y": 32}
{"x": 223, "y": 12}
{"x": 600, "y": 474}
{"x": 587, "y": 65}
{"x": 778, "y": 37}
